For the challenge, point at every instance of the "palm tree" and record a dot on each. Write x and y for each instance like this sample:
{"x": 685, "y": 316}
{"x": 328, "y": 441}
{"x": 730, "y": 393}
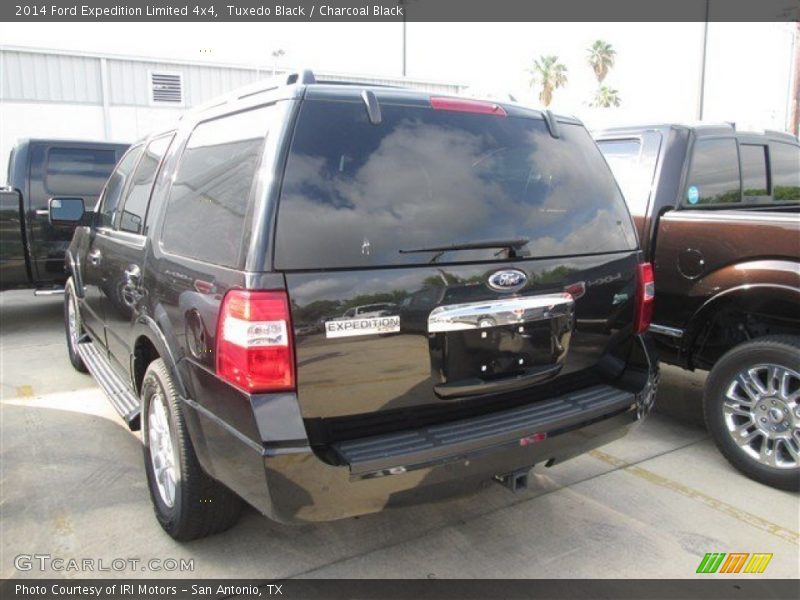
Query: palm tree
{"x": 550, "y": 74}
{"x": 606, "y": 97}
{"x": 601, "y": 59}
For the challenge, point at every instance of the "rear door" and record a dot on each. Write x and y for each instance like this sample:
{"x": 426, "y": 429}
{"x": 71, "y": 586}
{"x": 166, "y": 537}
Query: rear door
{"x": 366, "y": 215}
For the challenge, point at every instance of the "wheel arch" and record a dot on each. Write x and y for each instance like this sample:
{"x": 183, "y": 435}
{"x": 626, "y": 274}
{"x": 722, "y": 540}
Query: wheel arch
{"x": 151, "y": 344}
{"x": 753, "y": 309}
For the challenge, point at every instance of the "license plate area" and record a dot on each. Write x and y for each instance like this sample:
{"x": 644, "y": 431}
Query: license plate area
{"x": 497, "y": 340}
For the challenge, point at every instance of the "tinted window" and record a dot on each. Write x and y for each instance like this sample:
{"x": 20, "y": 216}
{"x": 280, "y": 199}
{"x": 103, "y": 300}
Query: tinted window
{"x": 754, "y": 170}
{"x": 357, "y": 194}
{"x": 135, "y": 208}
{"x": 210, "y": 195}
{"x": 77, "y": 171}
{"x": 785, "y": 161}
{"x": 633, "y": 163}
{"x": 116, "y": 186}
{"x": 714, "y": 173}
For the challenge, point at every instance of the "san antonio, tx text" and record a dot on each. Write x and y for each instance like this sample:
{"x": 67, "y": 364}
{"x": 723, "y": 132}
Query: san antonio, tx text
{"x": 145, "y": 590}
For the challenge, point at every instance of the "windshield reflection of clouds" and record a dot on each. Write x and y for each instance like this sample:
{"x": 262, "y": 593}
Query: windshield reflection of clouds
{"x": 430, "y": 182}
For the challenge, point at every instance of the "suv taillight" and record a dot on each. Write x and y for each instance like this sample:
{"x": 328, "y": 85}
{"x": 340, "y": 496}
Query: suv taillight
{"x": 255, "y": 346}
{"x": 645, "y": 297}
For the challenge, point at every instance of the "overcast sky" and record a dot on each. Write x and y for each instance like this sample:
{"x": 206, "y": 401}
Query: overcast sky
{"x": 657, "y": 72}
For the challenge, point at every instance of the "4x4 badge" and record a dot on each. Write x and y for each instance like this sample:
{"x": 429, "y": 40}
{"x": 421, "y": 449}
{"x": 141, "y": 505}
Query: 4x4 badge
{"x": 508, "y": 280}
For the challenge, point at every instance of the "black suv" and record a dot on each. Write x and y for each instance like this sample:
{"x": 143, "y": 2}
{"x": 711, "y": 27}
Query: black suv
{"x": 242, "y": 291}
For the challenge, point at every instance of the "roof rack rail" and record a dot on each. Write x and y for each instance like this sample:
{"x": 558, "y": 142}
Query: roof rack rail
{"x": 781, "y": 134}
{"x": 303, "y": 76}
{"x": 351, "y": 82}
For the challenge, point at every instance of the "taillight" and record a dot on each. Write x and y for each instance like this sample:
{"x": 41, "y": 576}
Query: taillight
{"x": 465, "y": 105}
{"x": 645, "y": 297}
{"x": 255, "y": 347}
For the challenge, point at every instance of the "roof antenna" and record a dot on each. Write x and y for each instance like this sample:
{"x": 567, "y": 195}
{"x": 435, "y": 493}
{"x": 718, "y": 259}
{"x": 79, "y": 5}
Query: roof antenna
{"x": 372, "y": 106}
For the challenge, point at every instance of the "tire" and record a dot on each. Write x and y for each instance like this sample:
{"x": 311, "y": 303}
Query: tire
{"x": 753, "y": 393}
{"x": 75, "y": 332}
{"x": 198, "y": 506}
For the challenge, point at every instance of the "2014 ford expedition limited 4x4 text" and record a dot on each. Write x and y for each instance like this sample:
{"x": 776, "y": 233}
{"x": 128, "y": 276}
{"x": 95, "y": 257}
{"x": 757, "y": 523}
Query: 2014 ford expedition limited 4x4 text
{"x": 717, "y": 213}
{"x": 330, "y": 299}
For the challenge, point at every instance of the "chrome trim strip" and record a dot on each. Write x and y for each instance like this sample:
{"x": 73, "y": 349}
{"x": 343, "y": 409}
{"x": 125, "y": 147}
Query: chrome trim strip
{"x": 494, "y": 313}
{"x": 668, "y": 331}
{"x": 699, "y": 214}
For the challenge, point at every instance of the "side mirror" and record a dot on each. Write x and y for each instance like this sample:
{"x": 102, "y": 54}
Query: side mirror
{"x": 66, "y": 211}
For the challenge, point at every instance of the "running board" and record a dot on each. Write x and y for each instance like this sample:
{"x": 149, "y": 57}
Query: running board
{"x": 118, "y": 392}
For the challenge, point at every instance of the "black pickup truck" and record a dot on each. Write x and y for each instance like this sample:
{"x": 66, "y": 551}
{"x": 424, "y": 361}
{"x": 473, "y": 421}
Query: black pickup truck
{"x": 41, "y": 172}
{"x": 718, "y": 215}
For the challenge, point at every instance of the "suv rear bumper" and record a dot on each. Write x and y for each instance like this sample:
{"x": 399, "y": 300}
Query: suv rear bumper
{"x": 445, "y": 460}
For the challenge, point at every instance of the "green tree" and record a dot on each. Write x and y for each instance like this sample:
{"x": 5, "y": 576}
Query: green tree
{"x": 550, "y": 74}
{"x": 601, "y": 58}
{"x": 606, "y": 97}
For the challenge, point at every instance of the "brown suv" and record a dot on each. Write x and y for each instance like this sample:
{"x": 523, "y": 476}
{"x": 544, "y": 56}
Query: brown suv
{"x": 717, "y": 214}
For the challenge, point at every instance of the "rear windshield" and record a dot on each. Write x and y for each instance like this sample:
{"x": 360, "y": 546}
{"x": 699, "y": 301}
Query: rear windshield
{"x": 78, "y": 171}
{"x": 361, "y": 195}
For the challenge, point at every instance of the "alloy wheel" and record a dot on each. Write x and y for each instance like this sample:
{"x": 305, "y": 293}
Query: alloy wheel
{"x": 762, "y": 414}
{"x": 162, "y": 454}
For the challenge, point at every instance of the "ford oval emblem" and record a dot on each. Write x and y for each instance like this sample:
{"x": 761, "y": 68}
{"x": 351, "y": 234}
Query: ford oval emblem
{"x": 509, "y": 280}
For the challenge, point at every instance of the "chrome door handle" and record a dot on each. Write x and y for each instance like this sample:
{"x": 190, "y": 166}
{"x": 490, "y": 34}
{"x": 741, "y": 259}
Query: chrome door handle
{"x": 95, "y": 256}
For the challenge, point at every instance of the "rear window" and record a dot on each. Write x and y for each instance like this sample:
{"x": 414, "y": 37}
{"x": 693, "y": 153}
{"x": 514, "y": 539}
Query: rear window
{"x": 357, "y": 194}
{"x": 785, "y": 161}
{"x": 78, "y": 171}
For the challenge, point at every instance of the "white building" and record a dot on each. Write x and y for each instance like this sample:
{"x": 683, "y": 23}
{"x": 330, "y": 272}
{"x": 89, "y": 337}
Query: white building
{"x": 56, "y": 94}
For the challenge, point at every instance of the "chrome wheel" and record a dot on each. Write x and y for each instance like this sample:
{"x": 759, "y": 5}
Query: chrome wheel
{"x": 762, "y": 414}
{"x": 73, "y": 324}
{"x": 162, "y": 454}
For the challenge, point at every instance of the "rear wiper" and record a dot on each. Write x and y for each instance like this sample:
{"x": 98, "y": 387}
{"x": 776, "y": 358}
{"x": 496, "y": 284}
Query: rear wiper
{"x": 512, "y": 245}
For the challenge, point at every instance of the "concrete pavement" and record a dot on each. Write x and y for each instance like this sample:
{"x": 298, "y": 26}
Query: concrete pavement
{"x": 650, "y": 505}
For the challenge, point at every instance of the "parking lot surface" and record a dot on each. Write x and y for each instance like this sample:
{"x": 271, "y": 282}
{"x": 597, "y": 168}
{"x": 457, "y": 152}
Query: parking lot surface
{"x": 650, "y": 505}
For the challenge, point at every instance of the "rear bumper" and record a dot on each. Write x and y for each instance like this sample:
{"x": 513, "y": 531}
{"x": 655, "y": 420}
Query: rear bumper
{"x": 447, "y": 460}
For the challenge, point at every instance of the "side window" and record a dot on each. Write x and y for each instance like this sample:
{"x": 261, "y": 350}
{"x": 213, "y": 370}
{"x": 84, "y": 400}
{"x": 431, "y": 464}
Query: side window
{"x": 754, "y": 171}
{"x": 77, "y": 171}
{"x": 135, "y": 207}
{"x": 713, "y": 173}
{"x": 116, "y": 186}
{"x": 785, "y": 162}
{"x": 210, "y": 194}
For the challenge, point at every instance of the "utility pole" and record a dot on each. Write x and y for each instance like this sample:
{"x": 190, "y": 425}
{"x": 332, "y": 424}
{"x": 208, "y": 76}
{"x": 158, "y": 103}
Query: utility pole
{"x": 701, "y": 103}
{"x": 794, "y": 101}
